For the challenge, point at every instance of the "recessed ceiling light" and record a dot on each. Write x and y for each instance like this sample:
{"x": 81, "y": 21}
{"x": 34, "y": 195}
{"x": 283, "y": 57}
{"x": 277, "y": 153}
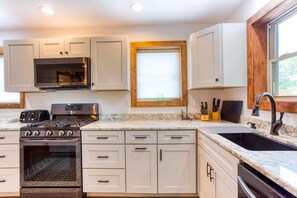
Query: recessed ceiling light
{"x": 137, "y": 7}
{"x": 46, "y": 10}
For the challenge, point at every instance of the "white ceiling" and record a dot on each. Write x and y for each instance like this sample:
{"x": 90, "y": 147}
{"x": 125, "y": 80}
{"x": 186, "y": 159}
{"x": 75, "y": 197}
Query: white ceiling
{"x": 24, "y": 14}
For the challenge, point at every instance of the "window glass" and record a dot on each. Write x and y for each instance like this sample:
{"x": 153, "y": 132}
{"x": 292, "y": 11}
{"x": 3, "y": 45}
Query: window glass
{"x": 287, "y": 39}
{"x": 6, "y": 97}
{"x": 283, "y": 62}
{"x": 158, "y": 75}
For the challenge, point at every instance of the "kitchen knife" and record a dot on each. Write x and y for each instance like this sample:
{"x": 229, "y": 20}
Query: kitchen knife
{"x": 202, "y": 107}
{"x": 206, "y": 106}
{"x": 218, "y": 104}
{"x": 214, "y": 105}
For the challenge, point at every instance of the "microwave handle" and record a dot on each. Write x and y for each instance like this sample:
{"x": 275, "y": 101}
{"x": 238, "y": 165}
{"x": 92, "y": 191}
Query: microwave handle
{"x": 245, "y": 188}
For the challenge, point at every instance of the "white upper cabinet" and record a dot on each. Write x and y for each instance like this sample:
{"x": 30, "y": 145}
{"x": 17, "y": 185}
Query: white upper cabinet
{"x": 109, "y": 56}
{"x": 217, "y": 56}
{"x": 68, "y": 47}
{"x": 19, "y": 65}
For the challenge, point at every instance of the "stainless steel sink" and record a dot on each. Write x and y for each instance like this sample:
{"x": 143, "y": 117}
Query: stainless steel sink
{"x": 254, "y": 142}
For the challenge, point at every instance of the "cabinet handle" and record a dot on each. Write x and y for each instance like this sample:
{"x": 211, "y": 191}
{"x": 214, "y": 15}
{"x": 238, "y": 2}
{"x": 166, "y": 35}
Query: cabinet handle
{"x": 161, "y": 157}
{"x": 66, "y": 52}
{"x": 2, "y": 181}
{"x": 93, "y": 84}
{"x": 178, "y": 137}
{"x": 138, "y": 148}
{"x": 217, "y": 80}
{"x": 102, "y": 157}
{"x": 61, "y": 53}
{"x": 207, "y": 169}
{"x": 2, "y": 138}
{"x": 211, "y": 177}
{"x": 2, "y": 156}
{"x": 102, "y": 138}
{"x": 103, "y": 181}
{"x": 140, "y": 137}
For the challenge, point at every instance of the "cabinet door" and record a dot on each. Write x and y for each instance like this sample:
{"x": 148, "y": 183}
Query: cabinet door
{"x": 109, "y": 56}
{"x": 9, "y": 181}
{"x": 206, "y": 58}
{"x": 141, "y": 169}
{"x": 180, "y": 160}
{"x": 19, "y": 65}
{"x": 77, "y": 47}
{"x": 52, "y": 48}
{"x": 206, "y": 187}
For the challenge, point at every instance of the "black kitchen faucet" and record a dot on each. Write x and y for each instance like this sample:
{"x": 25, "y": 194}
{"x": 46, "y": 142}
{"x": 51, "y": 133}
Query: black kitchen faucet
{"x": 275, "y": 124}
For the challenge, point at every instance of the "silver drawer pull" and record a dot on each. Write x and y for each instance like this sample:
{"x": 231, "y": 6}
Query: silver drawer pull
{"x": 103, "y": 181}
{"x": 140, "y": 137}
{"x": 177, "y": 137}
{"x": 2, "y": 181}
{"x": 138, "y": 148}
{"x": 2, "y": 156}
{"x": 103, "y": 157}
{"x": 2, "y": 138}
{"x": 102, "y": 138}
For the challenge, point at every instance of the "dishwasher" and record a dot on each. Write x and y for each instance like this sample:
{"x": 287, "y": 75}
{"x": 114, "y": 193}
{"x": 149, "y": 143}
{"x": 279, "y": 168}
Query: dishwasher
{"x": 252, "y": 184}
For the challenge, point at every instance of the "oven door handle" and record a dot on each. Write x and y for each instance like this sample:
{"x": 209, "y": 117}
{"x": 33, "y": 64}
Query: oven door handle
{"x": 72, "y": 140}
{"x": 245, "y": 188}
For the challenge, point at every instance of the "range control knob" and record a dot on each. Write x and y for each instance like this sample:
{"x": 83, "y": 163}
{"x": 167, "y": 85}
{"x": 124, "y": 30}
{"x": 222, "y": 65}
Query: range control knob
{"x": 48, "y": 133}
{"x": 36, "y": 133}
{"x": 61, "y": 133}
{"x": 28, "y": 133}
{"x": 69, "y": 133}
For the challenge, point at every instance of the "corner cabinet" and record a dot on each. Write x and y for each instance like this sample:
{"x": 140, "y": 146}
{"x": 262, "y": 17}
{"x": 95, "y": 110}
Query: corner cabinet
{"x": 109, "y": 56}
{"x": 19, "y": 65}
{"x": 218, "y": 56}
{"x": 217, "y": 170}
{"x": 68, "y": 47}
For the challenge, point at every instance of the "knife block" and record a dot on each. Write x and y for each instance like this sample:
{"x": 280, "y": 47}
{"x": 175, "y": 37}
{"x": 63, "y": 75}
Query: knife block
{"x": 216, "y": 115}
{"x": 205, "y": 117}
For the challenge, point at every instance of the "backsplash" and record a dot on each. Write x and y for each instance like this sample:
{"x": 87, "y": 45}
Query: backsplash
{"x": 144, "y": 116}
{"x": 288, "y": 130}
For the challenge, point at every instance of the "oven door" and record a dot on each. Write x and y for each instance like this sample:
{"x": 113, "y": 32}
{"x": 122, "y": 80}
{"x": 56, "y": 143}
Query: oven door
{"x": 50, "y": 162}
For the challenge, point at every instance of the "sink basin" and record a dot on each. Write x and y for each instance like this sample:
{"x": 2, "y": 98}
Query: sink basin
{"x": 254, "y": 142}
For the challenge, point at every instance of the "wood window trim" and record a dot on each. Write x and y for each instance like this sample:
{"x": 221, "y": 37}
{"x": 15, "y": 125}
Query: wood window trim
{"x": 257, "y": 53}
{"x": 134, "y": 46}
{"x": 13, "y": 105}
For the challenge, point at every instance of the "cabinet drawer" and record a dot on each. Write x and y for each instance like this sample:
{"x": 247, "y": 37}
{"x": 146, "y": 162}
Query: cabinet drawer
{"x": 176, "y": 137}
{"x": 9, "y": 137}
{"x": 141, "y": 137}
{"x": 226, "y": 160}
{"x": 9, "y": 180}
{"x": 103, "y": 137}
{"x": 104, "y": 180}
{"x": 9, "y": 156}
{"x": 103, "y": 156}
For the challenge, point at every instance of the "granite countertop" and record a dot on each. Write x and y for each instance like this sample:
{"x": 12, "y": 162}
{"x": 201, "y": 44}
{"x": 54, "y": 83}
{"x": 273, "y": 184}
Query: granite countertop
{"x": 279, "y": 166}
{"x": 7, "y": 124}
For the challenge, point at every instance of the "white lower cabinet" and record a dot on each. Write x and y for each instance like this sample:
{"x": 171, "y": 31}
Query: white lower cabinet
{"x": 141, "y": 168}
{"x": 217, "y": 170}
{"x": 9, "y": 163}
{"x": 104, "y": 180}
{"x": 177, "y": 168}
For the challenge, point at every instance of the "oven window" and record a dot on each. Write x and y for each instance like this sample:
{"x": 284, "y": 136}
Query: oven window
{"x": 50, "y": 163}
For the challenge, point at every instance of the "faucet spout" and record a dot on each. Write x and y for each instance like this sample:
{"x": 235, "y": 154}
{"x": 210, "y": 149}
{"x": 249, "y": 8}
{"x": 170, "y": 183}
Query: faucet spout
{"x": 275, "y": 125}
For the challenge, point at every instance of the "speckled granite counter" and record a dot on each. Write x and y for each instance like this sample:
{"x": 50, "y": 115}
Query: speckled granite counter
{"x": 279, "y": 166}
{"x": 10, "y": 125}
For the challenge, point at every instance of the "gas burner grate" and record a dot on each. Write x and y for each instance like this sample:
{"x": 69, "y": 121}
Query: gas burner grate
{"x": 62, "y": 123}
{"x": 52, "y": 169}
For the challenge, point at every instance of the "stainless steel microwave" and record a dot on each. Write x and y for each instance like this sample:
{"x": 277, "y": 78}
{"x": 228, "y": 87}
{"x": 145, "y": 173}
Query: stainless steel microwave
{"x": 62, "y": 73}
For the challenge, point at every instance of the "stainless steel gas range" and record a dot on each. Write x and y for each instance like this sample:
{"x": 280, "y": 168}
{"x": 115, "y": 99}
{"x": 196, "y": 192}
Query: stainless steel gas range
{"x": 50, "y": 152}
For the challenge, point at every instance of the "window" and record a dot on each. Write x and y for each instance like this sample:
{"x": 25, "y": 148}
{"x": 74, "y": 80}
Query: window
{"x": 158, "y": 74}
{"x": 7, "y": 99}
{"x": 259, "y": 56}
{"x": 283, "y": 55}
